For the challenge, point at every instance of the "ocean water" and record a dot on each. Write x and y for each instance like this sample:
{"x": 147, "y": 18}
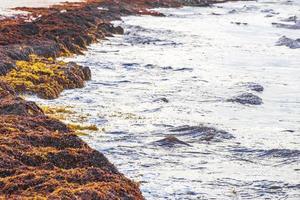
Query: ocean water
{"x": 174, "y": 76}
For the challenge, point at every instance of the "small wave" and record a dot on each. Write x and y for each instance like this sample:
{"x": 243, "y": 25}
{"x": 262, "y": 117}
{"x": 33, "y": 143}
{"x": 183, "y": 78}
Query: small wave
{"x": 201, "y": 133}
{"x": 286, "y": 156}
{"x": 280, "y": 153}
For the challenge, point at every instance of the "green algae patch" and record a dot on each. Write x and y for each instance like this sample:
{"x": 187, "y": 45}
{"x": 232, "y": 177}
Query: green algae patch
{"x": 58, "y": 112}
{"x": 84, "y": 130}
{"x": 66, "y": 113}
{"x": 50, "y": 110}
{"x": 79, "y": 133}
{"x": 78, "y": 127}
{"x": 46, "y": 78}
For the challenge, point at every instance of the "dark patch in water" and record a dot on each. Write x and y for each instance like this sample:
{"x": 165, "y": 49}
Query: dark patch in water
{"x": 134, "y": 29}
{"x": 269, "y": 15}
{"x": 163, "y": 99}
{"x": 130, "y": 65}
{"x": 183, "y": 69}
{"x": 170, "y": 141}
{"x": 138, "y": 39}
{"x": 240, "y": 23}
{"x": 123, "y": 81}
{"x": 247, "y": 99}
{"x": 288, "y": 131}
{"x": 217, "y": 14}
{"x": 137, "y": 35}
{"x": 117, "y": 133}
{"x": 150, "y": 66}
{"x": 253, "y": 86}
{"x": 167, "y": 68}
{"x": 202, "y": 133}
{"x": 291, "y": 43}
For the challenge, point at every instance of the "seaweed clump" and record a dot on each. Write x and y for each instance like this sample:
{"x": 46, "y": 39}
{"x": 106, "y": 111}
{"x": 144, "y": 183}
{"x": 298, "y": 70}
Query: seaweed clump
{"x": 46, "y": 77}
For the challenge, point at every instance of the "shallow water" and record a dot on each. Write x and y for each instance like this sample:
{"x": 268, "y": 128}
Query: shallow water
{"x": 173, "y": 76}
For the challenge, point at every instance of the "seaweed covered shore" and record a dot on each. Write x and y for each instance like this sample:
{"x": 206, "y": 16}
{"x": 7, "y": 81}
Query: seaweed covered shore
{"x": 40, "y": 156}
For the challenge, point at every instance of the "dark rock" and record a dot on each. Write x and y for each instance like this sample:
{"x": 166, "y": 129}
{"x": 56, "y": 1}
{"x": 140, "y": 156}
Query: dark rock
{"x": 247, "y": 99}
